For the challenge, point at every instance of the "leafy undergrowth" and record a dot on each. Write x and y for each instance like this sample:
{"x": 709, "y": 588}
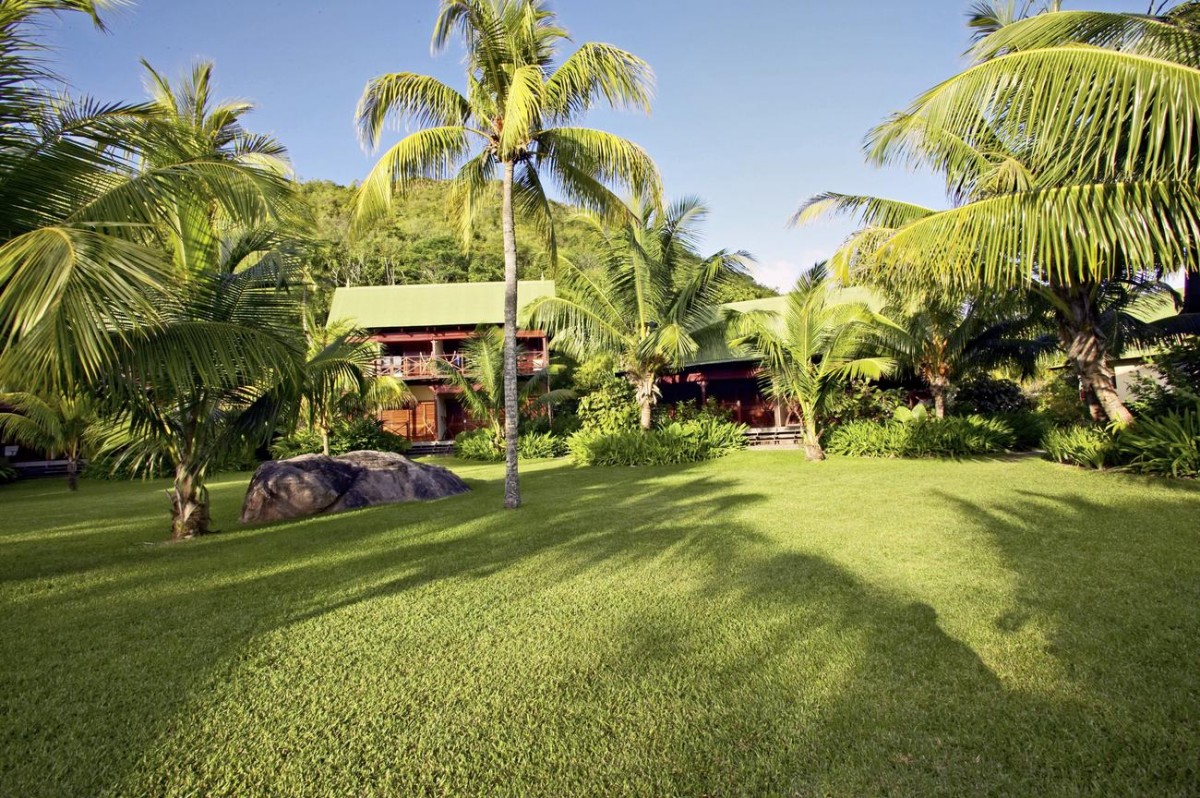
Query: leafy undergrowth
{"x": 750, "y": 626}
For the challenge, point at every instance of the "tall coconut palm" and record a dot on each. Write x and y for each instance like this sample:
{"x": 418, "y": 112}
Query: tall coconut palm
{"x": 809, "y": 351}
{"x": 647, "y": 299}
{"x": 515, "y": 122}
{"x": 57, "y": 425}
{"x": 1101, "y": 113}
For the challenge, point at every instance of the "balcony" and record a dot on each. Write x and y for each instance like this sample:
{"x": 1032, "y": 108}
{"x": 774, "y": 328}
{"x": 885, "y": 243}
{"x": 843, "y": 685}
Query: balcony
{"x": 428, "y": 367}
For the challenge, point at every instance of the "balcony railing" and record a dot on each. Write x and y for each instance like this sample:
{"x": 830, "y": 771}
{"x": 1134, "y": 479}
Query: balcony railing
{"x": 416, "y": 367}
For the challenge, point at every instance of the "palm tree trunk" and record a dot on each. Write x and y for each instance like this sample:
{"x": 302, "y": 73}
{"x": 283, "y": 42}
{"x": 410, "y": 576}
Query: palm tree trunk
{"x": 189, "y": 504}
{"x": 645, "y": 397}
{"x": 512, "y": 485}
{"x": 813, "y": 450}
{"x": 938, "y": 387}
{"x": 324, "y": 440}
{"x": 1085, "y": 347}
{"x": 72, "y": 473}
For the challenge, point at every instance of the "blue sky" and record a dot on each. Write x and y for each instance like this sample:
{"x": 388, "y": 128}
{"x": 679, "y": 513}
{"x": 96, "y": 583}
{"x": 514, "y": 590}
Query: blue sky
{"x": 760, "y": 103}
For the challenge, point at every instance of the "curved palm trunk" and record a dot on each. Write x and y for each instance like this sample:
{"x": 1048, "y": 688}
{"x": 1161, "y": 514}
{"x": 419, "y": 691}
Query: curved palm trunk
{"x": 189, "y": 503}
{"x": 512, "y": 485}
{"x": 1085, "y": 347}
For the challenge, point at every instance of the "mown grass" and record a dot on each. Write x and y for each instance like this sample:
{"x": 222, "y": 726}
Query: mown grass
{"x": 753, "y": 626}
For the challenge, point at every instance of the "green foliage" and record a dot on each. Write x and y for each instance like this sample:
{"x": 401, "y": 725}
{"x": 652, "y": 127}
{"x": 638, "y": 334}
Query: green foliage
{"x": 698, "y": 439}
{"x": 922, "y": 436}
{"x": 7, "y": 472}
{"x": 482, "y": 446}
{"x": 988, "y": 395}
{"x": 478, "y": 444}
{"x": 1167, "y": 446}
{"x": 540, "y": 446}
{"x": 1179, "y": 387}
{"x": 1057, "y": 398}
{"x": 1087, "y": 445}
{"x": 1029, "y": 427}
{"x": 863, "y": 400}
{"x": 609, "y": 409}
{"x": 347, "y": 435}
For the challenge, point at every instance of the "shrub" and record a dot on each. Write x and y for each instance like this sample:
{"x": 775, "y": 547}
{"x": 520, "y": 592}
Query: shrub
{"x": 1177, "y": 386}
{"x": 1058, "y": 400}
{"x": 7, "y": 472}
{"x": 540, "y": 446}
{"x": 864, "y": 401}
{"x": 1084, "y": 445}
{"x": 346, "y": 436}
{"x": 701, "y": 438}
{"x": 957, "y": 436}
{"x": 987, "y": 395}
{"x": 1028, "y": 427}
{"x": 478, "y": 444}
{"x": 1167, "y": 446}
{"x": 610, "y": 408}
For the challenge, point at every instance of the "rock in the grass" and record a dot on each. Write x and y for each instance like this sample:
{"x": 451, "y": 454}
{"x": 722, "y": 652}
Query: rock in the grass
{"x": 312, "y": 484}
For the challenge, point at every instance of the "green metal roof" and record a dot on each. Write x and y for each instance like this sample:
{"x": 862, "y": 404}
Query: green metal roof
{"x": 433, "y": 305}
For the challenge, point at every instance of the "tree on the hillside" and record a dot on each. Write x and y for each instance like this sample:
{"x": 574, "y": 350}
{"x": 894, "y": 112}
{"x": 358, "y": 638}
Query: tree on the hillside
{"x": 647, "y": 298}
{"x": 514, "y": 123}
{"x": 808, "y": 352}
{"x": 56, "y": 425}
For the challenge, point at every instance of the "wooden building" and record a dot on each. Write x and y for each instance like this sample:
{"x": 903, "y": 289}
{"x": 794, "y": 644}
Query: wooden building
{"x": 419, "y": 325}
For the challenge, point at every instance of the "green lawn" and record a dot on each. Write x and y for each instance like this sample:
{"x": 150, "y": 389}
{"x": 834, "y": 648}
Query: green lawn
{"x": 754, "y": 626}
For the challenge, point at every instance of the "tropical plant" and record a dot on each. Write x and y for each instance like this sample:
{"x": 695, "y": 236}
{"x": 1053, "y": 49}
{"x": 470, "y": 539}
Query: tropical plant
{"x": 1087, "y": 445}
{"x": 673, "y": 443}
{"x": 941, "y": 338}
{"x": 479, "y": 383}
{"x": 1168, "y": 445}
{"x": 1059, "y": 177}
{"x": 340, "y": 380}
{"x": 812, "y": 348}
{"x": 646, "y": 299}
{"x": 56, "y": 425}
{"x": 514, "y": 122}
{"x": 223, "y": 362}
{"x": 922, "y": 436}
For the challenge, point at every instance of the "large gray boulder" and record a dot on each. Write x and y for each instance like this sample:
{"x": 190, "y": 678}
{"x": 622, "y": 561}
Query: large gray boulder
{"x": 313, "y": 484}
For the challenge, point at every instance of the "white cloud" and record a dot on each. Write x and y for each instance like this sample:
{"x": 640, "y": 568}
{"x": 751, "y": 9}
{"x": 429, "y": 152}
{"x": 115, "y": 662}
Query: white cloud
{"x": 782, "y": 274}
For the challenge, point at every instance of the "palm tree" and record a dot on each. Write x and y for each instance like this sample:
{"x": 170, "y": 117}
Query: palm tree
{"x": 85, "y": 190}
{"x": 480, "y": 382}
{"x": 340, "y": 379}
{"x": 809, "y": 351}
{"x": 1095, "y": 116}
{"x": 54, "y": 424}
{"x": 648, "y": 300}
{"x": 940, "y": 338}
{"x": 515, "y": 122}
{"x": 224, "y": 359}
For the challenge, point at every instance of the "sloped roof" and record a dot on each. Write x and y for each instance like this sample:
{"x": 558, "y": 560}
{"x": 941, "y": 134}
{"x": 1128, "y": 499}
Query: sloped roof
{"x": 384, "y": 307}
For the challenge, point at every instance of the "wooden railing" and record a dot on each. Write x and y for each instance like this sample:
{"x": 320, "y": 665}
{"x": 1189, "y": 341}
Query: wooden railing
{"x": 409, "y": 367}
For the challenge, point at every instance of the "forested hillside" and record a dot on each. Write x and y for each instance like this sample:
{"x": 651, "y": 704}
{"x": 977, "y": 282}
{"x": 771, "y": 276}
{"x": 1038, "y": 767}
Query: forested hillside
{"x": 421, "y": 244}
